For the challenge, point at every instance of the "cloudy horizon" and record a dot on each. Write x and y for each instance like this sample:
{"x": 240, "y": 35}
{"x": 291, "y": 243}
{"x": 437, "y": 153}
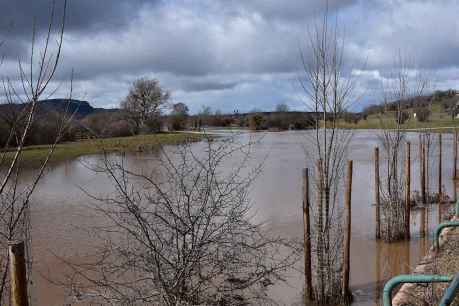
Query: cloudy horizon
{"x": 232, "y": 55}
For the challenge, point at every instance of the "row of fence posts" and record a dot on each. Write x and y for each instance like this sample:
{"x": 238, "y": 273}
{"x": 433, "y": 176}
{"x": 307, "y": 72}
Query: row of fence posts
{"x": 16, "y": 251}
{"x": 377, "y": 184}
{"x": 308, "y": 288}
{"x": 423, "y": 176}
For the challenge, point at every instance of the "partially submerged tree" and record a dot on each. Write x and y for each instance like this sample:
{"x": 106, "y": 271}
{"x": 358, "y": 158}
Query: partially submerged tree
{"x": 181, "y": 233}
{"x": 404, "y": 83}
{"x": 330, "y": 93}
{"x": 145, "y": 102}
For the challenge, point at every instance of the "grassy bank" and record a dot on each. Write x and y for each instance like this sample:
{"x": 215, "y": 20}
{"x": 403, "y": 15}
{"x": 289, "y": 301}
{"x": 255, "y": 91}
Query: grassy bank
{"x": 34, "y": 154}
{"x": 387, "y": 120}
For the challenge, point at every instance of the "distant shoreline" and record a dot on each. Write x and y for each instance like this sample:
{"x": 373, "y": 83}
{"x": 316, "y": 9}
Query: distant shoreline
{"x": 34, "y": 155}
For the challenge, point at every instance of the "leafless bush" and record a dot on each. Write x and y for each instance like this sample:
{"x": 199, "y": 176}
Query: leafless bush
{"x": 182, "y": 233}
{"x": 423, "y": 114}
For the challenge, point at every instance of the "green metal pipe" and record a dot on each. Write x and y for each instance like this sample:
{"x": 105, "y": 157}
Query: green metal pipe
{"x": 416, "y": 278}
{"x": 450, "y": 292}
{"x": 440, "y": 227}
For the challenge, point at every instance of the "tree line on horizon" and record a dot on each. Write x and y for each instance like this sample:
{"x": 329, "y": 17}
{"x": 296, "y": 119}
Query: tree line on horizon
{"x": 146, "y": 109}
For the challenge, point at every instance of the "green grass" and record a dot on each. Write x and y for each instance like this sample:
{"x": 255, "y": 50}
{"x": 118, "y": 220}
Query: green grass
{"x": 377, "y": 121}
{"x": 33, "y": 155}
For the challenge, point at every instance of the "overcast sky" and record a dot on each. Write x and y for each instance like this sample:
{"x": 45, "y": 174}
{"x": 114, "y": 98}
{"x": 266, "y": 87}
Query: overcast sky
{"x": 231, "y": 54}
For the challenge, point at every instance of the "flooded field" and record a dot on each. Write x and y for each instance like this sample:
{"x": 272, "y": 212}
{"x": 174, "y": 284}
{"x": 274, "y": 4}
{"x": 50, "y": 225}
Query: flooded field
{"x": 61, "y": 213}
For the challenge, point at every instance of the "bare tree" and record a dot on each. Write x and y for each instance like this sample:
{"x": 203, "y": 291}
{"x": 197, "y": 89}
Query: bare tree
{"x": 13, "y": 117}
{"x": 330, "y": 94}
{"x": 144, "y": 103}
{"x": 402, "y": 86}
{"x": 15, "y": 192}
{"x": 282, "y": 107}
{"x": 178, "y": 118}
{"x": 182, "y": 233}
{"x": 427, "y": 139}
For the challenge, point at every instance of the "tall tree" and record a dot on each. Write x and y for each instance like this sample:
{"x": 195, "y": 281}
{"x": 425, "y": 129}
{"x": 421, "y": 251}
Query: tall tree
{"x": 404, "y": 84}
{"x": 330, "y": 93}
{"x": 179, "y": 116}
{"x": 145, "y": 101}
{"x": 180, "y": 109}
{"x": 282, "y": 107}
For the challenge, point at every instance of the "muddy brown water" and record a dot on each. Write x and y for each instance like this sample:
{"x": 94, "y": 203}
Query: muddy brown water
{"x": 61, "y": 214}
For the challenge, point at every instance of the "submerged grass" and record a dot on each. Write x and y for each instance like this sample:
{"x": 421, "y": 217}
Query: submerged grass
{"x": 33, "y": 155}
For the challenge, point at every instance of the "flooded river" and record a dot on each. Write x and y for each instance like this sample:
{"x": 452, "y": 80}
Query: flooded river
{"x": 61, "y": 214}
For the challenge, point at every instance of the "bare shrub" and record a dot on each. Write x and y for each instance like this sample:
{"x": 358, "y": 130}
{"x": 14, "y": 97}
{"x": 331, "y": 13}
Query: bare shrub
{"x": 423, "y": 114}
{"x": 330, "y": 94}
{"x": 401, "y": 117}
{"x": 15, "y": 190}
{"x": 401, "y": 86}
{"x": 181, "y": 233}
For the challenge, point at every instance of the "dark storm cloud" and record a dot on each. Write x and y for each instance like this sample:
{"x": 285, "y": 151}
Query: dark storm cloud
{"x": 204, "y": 50}
{"x": 207, "y": 85}
{"x": 292, "y": 10}
{"x": 85, "y": 17}
{"x": 82, "y": 15}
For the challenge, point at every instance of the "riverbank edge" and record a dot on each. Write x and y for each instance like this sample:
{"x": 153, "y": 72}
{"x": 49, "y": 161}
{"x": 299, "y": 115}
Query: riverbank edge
{"x": 408, "y": 128}
{"x": 405, "y": 294}
{"x": 34, "y": 155}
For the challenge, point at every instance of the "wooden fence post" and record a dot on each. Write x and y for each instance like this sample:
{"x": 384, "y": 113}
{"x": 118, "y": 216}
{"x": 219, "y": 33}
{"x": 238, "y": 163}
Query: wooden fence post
{"x": 319, "y": 227}
{"x": 454, "y": 191}
{"x": 455, "y": 154}
{"x": 18, "y": 277}
{"x": 422, "y": 223}
{"x": 377, "y": 195}
{"x": 439, "y": 167}
{"x": 408, "y": 191}
{"x": 347, "y": 231}
{"x": 426, "y": 148}
{"x": 427, "y": 219}
{"x": 439, "y": 214}
{"x": 422, "y": 168}
{"x": 307, "y": 239}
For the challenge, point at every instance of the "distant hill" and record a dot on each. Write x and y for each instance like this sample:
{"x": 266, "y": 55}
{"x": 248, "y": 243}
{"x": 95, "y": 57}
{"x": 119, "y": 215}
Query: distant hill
{"x": 79, "y": 107}
{"x": 443, "y": 101}
{"x": 438, "y": 109}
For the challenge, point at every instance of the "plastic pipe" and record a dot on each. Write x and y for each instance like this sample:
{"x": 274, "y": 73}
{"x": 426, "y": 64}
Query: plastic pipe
{"x": 417, "y": 278}
{"x": 450, "y": 292}
{"x": 440, "y": 228}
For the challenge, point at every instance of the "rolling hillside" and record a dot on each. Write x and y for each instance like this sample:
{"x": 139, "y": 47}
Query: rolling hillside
{"x": 80, "y": 108}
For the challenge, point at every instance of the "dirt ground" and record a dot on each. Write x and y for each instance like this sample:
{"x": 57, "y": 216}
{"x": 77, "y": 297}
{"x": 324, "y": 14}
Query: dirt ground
{"x": 444, "y": 262}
